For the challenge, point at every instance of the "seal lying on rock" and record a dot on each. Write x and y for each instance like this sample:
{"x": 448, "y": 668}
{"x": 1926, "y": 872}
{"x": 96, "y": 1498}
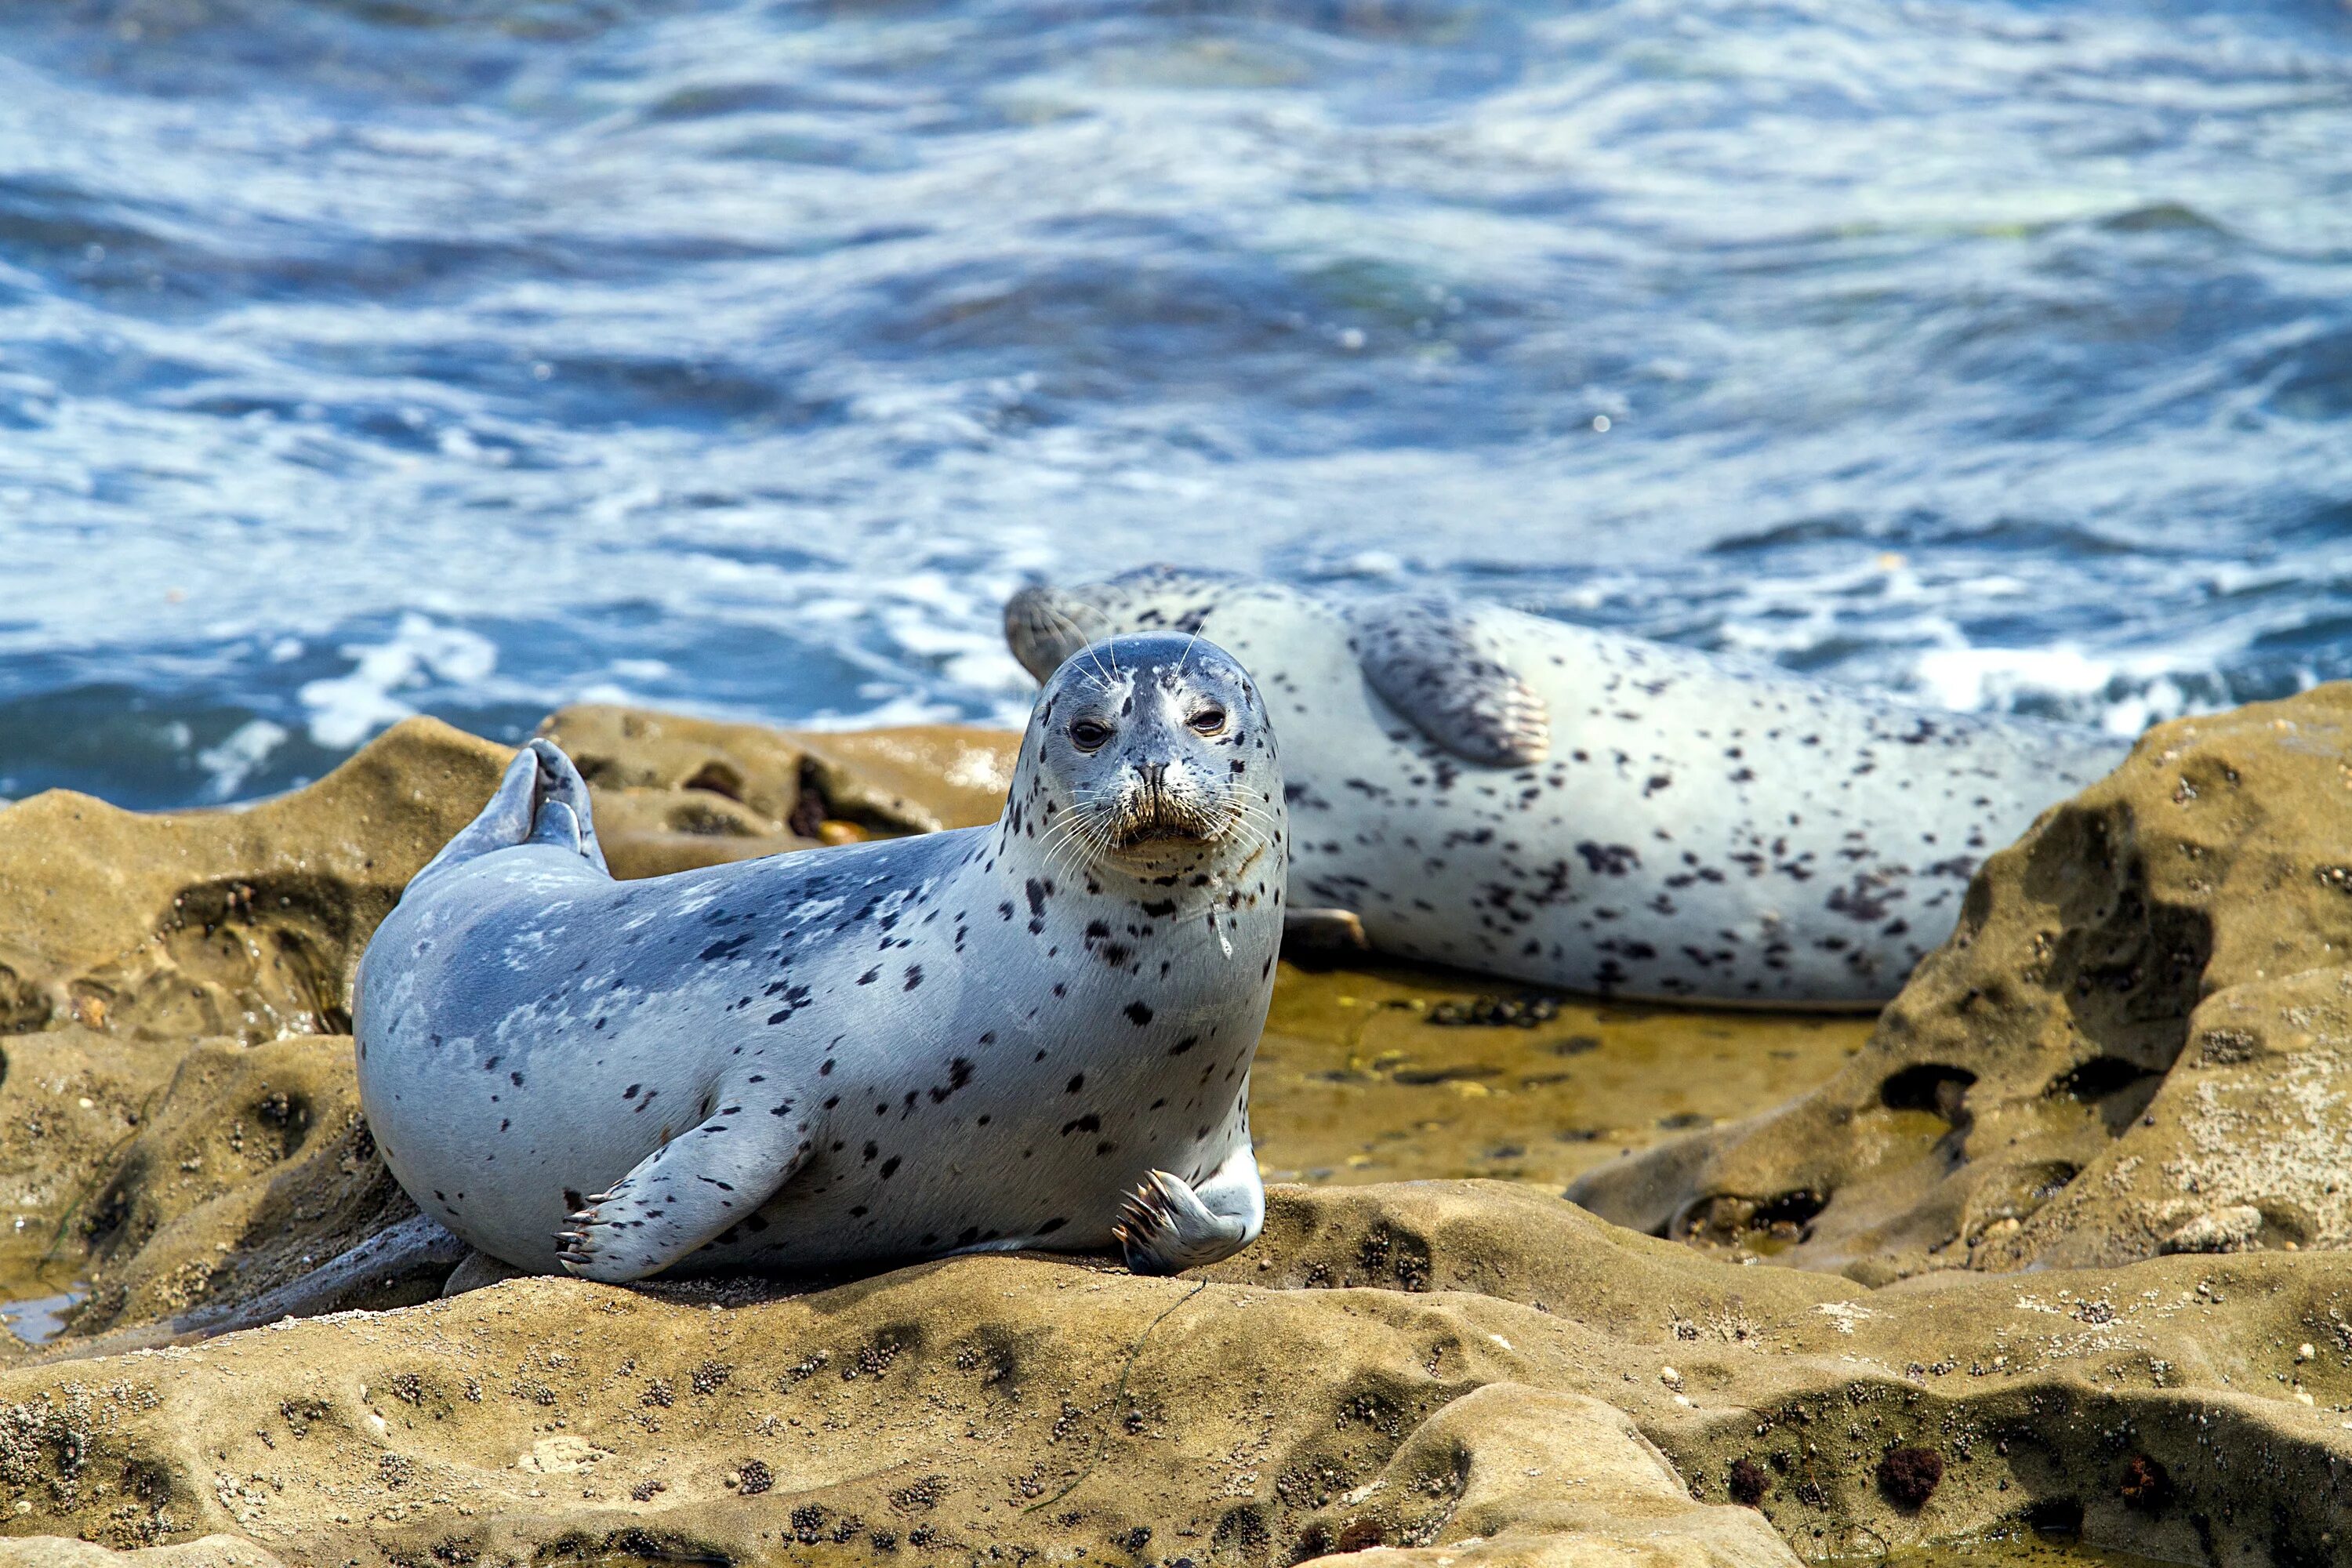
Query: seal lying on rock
{"x": 1032, "y": 1034}
{"x": 1519, "y": 796}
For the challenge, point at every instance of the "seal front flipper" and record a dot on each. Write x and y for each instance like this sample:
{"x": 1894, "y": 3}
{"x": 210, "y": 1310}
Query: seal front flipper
{"x": 683, "y": 1195}
{"x": 1166, "y": 1226}
{"x": 1430, "y": 661}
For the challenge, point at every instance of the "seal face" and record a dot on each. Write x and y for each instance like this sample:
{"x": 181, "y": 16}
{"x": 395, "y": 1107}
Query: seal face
{"x": 1523, "y": 798}
{"x": 1033, "y": 1034}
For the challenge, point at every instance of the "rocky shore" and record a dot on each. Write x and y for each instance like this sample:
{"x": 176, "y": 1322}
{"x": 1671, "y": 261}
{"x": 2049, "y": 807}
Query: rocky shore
{"x": 2125, "y": 1074}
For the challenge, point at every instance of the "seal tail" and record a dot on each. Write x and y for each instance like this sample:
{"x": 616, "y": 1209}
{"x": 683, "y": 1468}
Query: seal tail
{"x": 543, "y": 799}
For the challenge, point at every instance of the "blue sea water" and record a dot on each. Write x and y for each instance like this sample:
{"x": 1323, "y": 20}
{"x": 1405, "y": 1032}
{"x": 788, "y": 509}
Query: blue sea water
{"x": 362, "y": 357}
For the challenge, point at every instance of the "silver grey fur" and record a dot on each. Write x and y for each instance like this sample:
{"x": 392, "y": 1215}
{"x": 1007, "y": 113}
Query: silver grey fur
{"x": 1033, "y": 1034}
{"x": 1526, "y": 798}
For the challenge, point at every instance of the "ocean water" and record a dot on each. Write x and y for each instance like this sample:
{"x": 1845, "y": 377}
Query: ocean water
{"x": 367, "y": 357}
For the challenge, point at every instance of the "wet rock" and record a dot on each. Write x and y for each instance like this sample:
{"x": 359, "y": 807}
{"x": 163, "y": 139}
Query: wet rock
{"x": 2231, "y": 1229}
{"x": 2141, "y": 1031}
{"x": 1371, "y": 1072}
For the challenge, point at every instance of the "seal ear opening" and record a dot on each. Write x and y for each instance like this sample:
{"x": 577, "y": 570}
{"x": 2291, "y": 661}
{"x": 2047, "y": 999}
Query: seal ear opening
{"x": 1044, "y": 625}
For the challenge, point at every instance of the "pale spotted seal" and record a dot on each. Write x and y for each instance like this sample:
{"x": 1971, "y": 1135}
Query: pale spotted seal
{"x": 1034, "y": 1033}
{"x": 1522, "y": 797}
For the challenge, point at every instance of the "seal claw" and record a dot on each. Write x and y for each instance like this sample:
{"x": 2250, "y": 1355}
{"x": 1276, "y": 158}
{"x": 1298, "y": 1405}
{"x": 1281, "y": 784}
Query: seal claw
{"x": 1165, "y": 1228}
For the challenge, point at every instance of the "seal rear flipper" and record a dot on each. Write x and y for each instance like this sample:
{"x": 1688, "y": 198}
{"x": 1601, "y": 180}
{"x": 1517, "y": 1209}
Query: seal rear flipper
{"x": 542, "y": 799}
{"x": 1429, "y": 660}
{"x": 686, "y": 1193}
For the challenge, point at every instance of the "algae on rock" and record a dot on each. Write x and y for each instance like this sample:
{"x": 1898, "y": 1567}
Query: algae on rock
{"x": 2139, "y": 1040}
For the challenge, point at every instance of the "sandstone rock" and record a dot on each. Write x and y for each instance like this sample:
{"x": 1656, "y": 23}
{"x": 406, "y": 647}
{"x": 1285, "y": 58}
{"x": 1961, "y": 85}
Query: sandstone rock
{"x": 1433, "y": 1369}
{"x": 2145, "y": 1018}
{"x": 2223, "y": 1230}
{"x": 671, "y": 792}
{"x": 60, "y": 1551}
{"x": 178, "y": 1120}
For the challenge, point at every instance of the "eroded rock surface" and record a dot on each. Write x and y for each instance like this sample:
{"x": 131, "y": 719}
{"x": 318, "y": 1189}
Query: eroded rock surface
{"x": 2139, "y": 1041}
{"x": 1440, "y": 1369}
{"x": 178, "y": 1121}
{"x": 671, "y": 792}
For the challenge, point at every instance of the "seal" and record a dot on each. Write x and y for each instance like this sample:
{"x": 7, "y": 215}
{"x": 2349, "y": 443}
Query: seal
{"x": 1033, "y": 1034}
{"x": 1482, "y": 788}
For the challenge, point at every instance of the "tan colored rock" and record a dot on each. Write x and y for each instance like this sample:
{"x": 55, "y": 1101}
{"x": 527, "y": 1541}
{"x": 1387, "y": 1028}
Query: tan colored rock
{"x": 242, "y": 923}
{"x": 60, "y": 1551}
{"x": 671, "y": 793}
{"x": 1433, "y": 1368}
{"x": 2141, "y": 1030}
{"x": 178, "y": 1120}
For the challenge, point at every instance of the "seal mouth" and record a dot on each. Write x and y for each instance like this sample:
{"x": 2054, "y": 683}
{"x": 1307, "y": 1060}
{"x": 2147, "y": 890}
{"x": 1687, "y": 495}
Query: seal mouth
{"x": 1157, "y": 819}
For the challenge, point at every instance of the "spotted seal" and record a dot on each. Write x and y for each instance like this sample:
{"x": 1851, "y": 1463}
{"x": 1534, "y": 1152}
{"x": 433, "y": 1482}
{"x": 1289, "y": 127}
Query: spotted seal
{"x": 1522, "y": 797}
{"x": 1033, "y": 1034}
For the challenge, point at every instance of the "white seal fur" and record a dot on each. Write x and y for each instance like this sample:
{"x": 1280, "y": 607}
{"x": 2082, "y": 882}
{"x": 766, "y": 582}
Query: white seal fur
{"x": 1033, "y": 1034}
{"x": 1526, "y": 798}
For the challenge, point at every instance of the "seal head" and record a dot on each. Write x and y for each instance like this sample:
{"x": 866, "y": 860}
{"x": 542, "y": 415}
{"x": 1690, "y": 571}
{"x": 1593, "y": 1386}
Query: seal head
{"x": 1152, "y": 757}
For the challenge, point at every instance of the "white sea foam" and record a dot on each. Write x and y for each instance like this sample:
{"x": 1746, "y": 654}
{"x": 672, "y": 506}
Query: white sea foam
{"x": 233, "y": 759}
{"x": 2123, "y": 693}
{"x": 345, "y": 710}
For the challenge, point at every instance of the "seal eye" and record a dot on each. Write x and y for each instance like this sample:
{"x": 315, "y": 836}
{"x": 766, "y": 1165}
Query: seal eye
{"x": 1208, "y": 720}
{"x": 1088, "y": 735}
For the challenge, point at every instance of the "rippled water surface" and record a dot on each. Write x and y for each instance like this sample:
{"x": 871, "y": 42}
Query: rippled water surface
{"x": 366, "y": 356}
